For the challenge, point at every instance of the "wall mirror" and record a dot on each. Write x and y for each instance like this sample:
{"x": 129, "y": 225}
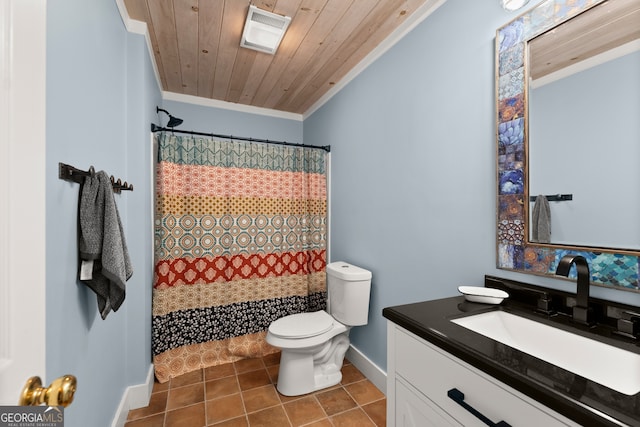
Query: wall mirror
{"x": 568, "y": 98}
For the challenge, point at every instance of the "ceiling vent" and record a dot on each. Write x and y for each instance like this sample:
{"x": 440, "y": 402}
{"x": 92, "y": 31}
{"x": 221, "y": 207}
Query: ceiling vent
{"x": 263, "y": 31}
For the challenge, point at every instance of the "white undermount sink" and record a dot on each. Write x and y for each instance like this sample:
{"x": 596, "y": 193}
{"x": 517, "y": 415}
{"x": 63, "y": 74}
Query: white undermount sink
{"x": 610, "y": 366}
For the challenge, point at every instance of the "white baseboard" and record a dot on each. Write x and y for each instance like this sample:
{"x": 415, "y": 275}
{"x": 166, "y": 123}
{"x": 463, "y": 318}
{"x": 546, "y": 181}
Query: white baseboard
{"x": 369, "y": 369}
{"x": 135, "y": 396}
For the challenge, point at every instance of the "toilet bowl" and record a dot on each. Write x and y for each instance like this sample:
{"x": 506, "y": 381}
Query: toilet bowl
{"x": 314, "y": 344}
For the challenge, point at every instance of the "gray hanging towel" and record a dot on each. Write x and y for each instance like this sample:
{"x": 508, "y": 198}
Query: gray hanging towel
{"x": 105, "y": 264}
{"x": 541, "y": 220}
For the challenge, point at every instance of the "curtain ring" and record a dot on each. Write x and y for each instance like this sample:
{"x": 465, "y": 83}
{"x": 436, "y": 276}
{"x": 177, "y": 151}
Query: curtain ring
{"x": 92, "y": 171}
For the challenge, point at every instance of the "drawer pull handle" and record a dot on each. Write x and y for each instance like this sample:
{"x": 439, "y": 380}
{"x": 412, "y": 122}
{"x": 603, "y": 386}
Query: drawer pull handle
{"x": 458, "y": 397}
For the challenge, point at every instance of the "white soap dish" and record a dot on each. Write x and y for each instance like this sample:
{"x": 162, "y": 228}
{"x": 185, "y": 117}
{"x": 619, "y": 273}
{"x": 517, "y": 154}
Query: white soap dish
{"x": 483, "y": 295}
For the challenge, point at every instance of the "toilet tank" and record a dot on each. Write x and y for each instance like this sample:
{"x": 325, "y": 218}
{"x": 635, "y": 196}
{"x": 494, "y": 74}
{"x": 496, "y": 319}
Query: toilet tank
{"x": 348, "y": 290}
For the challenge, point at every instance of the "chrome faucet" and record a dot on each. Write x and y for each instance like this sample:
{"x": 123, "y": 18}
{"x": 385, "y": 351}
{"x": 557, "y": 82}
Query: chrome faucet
{"x": 582, "y": 313}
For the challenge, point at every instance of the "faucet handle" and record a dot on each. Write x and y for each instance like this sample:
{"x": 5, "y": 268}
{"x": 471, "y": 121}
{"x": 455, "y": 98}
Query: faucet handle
{"x": 629, "y": 324}
{"x": 545, "y": 304}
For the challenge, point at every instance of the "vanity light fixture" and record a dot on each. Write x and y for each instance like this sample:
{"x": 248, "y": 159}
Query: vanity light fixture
{"x": 263, "y": 31}
{"x": 512, "y": 5}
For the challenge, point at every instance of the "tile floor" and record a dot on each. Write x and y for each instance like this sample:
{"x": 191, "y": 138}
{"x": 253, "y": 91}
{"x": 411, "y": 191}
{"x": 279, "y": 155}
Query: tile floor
{"x": 244, "y": 394}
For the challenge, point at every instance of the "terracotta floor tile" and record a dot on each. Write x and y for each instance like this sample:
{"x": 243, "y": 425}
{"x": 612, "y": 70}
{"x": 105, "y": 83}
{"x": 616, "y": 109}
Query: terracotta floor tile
{"x": 260, "y": 398}
{"x": 220, "y": 371}
{"x": 187, "y": 379}
{"x": 152, "y": 421}
{"x": 286, "y": 399}
{"x": 377, "y": 411}
{"x": 364, "y": 392}
{"x": 304, "y": 411}
{"x": 254, "y": 379}
{"x": 335, "y": 401}
{"x": 353, "y": 418}
{"x": 234, "y": 422}
{"x": 224, "y": 408}
{"x": 192, "y": 416}
{"x": 157, "y": 404}
{"x": 221, "y": 387}
{"x": 271, "y": 359}
{"x": 273, "y": 371}
{"x": 322, "y": 423}
{"x": 185, "y": 396}
{"x": 160, "y": 386}
{"x": 351, "y": 374}
{"x": 247, "y": 365}
{"x": 243, "y": 394}
{"x": 270, "y": 417}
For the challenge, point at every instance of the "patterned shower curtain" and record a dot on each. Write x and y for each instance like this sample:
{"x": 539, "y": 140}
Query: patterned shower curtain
{"x": 240, "y": 241}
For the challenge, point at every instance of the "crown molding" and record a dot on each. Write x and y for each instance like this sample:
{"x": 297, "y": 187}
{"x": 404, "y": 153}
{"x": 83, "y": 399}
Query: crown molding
{"x": 208, "y": 102}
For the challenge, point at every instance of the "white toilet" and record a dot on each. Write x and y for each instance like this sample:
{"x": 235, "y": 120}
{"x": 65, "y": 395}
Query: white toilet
{"x": 314, "y": 344}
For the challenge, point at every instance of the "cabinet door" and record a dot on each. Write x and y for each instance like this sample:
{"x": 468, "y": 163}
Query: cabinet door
{"x": 435, "y": 373}
{"x": 415, "y": 410}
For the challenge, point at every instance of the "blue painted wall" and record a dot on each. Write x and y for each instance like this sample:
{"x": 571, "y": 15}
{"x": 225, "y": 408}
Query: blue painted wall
{"x": 100, "y": 93}
{"x": 413, "y": 166}
{"x": 413, "y": 175}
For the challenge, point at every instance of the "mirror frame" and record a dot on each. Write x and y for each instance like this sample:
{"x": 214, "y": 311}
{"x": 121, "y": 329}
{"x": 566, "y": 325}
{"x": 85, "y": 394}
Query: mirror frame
{"x": 612, "y": 268}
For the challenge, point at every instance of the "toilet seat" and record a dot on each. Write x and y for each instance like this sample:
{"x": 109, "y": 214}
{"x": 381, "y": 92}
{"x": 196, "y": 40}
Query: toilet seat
{"x": 302, "y": 325}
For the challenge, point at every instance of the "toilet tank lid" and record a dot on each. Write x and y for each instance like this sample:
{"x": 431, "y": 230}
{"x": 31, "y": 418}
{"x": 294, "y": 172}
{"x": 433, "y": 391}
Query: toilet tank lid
{"x": 348, "y": 272}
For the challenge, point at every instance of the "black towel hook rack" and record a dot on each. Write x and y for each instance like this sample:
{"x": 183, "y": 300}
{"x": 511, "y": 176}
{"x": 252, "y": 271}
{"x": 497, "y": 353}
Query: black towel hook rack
{"x": 70, "y": 173}
{"x": 554, "y": 197}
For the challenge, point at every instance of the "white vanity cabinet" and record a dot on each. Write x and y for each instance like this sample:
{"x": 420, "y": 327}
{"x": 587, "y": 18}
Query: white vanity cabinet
{"x": 420, "y": 376}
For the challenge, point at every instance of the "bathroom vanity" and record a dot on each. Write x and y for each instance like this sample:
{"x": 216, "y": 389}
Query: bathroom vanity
{"x": 440, "y": 373}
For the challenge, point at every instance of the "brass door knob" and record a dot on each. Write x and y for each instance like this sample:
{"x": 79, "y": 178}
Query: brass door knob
{"x": 59, "y": 393}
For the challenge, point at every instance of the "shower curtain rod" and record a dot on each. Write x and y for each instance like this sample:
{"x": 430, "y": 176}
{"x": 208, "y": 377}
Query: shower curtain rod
{"x": 156, "y": 128}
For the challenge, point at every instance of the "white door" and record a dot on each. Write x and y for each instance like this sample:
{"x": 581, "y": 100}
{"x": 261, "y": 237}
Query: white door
{"x": 22, "y": 194}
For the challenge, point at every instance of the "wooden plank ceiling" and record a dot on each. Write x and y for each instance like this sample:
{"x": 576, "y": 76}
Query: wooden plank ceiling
{"x": 604, "y": 27}
{"x": 196, "y": 45}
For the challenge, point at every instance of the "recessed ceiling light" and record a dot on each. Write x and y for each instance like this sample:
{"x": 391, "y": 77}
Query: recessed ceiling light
{"x": 513, "y": 4}
{"x": 263, "y": 31}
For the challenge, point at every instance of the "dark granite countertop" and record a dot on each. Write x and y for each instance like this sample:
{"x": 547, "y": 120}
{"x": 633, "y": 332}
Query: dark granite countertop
{"x": 577, "y": 398}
